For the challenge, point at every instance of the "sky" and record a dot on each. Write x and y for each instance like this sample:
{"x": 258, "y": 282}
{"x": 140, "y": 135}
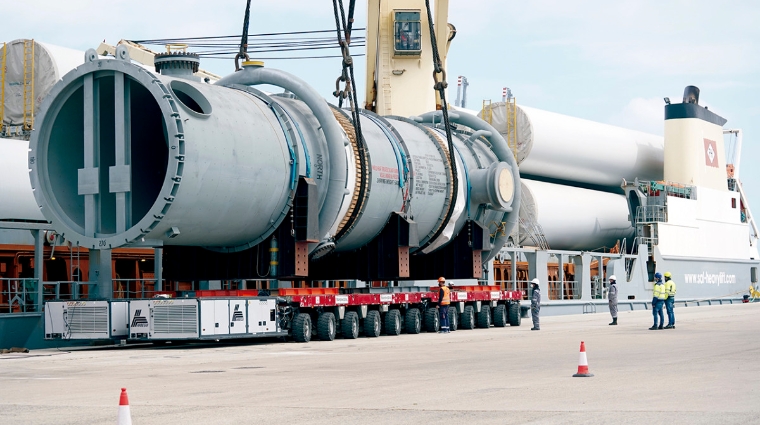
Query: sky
{"x": 606, "y": 61}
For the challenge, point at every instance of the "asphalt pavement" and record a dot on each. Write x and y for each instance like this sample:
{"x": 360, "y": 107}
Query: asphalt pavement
{"x": 706, "y": 371}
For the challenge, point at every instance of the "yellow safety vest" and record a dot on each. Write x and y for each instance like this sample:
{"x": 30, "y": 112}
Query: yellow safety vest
{"x": 659, "y": 291}
{"x": 670, "y": 289}
{"x": 446, "y": 300}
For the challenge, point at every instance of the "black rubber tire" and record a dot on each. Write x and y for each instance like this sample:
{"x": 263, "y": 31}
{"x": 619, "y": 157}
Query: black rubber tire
{"x": 372, "y": 324}
{"x": 467, "y": 318}
{"x": 484, "y": 316}
{"x": 350, "y": 325}
{"x": 513, "y": 313}
{"x": 326, "y": 328}
{"x": 432, "y": 320}
{"x": 393, "y": 322}
{"x": 500, "y": 316}
{"x": 412, "y": 321}
{"x": 453, "y": 319}
{"x": 302, "y": 328}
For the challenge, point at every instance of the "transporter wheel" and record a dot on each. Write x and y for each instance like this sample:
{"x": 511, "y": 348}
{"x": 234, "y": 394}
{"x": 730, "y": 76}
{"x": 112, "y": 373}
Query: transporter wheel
{"x": 350, "y": 325}
{"x": 453, "y": 319}
{"x": 302, "y": 328}
{"x": 432, "y": 321}
{"x": 467, "y": 319}
{"x": 412, "y": 321}
{"x": 372, "y": 324}
{"x": 500, "y": 316}
{"x": 393, "y": 322}
{"x": 484, "y": 317}
{"x": 326, "y": 329}
{"x": 514, "y": 314}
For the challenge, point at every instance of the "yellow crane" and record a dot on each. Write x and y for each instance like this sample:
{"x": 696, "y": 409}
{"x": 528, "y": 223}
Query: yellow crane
{"x": 399, "y": 76}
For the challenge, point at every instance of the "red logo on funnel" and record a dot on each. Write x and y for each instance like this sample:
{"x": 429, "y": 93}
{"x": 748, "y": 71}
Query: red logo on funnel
{"x": 711, "y": 153}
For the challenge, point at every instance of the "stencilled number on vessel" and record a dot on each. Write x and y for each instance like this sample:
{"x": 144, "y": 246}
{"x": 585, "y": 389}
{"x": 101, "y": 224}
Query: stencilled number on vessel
{"x": 102, "y": 243}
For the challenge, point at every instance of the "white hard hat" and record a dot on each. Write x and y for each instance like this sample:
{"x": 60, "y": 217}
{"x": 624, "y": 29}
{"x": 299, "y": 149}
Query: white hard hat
{"x": 613, "y": 278}
{"x": 534, "y": 281}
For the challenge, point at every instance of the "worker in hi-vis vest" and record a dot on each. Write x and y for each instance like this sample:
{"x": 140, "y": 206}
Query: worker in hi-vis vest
{"x": 444, "y": 299}
{"x": 658, "y": 299}
{"x": 670, "y": 291}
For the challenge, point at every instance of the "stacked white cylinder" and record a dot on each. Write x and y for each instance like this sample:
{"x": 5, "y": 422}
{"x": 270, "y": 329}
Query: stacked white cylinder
{"x": 50, "y": 63}
{"x": 16, "y": 198}
{"x": 574, "y": 154}
{"x": 572, "y": 218}
{"x": 561, "y": 147}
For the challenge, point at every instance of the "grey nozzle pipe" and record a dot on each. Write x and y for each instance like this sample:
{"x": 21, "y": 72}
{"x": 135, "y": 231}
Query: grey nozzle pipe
{"x": 256, "y": 75}
{"x": 502, "y": 151}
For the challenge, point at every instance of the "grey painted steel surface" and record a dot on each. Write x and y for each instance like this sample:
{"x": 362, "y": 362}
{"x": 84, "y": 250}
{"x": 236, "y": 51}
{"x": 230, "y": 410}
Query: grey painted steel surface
{"x": 501, "y": 149}
{"x": 124, "y": 156}
{"x": 336, "y": 139}
{"x": 385, "y": 194}
{"x": 312, "y": 146}
{"x": 428, "y": 178}
{"x": 175, "y": 159}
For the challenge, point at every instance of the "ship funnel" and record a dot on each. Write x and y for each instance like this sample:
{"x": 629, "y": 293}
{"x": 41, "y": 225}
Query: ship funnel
{"x": 694, "y": 152}
{"x": 691, "y": 95}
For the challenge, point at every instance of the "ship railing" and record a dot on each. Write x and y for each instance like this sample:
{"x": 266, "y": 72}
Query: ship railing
{"x": 565, "y": 290}
{"x": 123, "y": 289}
{"x": 134, "y": 288}
{"x": 19, "y": 295}
{"x": 651, "y": 214}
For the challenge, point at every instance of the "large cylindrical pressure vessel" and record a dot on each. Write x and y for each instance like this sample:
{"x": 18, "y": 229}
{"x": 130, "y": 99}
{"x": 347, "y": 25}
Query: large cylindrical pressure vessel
{"x": 410, "y": 171}
{"x": 16, "y": 198}
{"x": 572, "y": 218}
{"x": 561, "y": 147}
{"x": 47, "y": 63}
{"x": 123, "y": 155}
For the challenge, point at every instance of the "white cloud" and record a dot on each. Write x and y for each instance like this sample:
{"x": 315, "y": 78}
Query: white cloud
{"x": 642, "y": 114}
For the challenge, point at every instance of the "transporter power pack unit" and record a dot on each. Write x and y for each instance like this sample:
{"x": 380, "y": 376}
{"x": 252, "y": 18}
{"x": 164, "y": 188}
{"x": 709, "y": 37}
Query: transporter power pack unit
{"x": 196, "y": 318}
{"x": 86, "y": 319}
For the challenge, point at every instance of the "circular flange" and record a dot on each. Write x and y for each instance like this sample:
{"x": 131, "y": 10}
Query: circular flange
{"x": 72, "y": 226}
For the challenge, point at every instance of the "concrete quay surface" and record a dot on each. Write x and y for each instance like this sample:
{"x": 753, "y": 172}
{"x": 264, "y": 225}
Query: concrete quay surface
{"x": 706, "y": 371}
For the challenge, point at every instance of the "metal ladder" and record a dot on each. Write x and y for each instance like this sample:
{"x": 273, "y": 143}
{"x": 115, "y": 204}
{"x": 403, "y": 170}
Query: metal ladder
{"x": 536, "y": 234}
{"x": 28, "y": 84}
{"x": 510, "y": 106}
{"x": 486, "y": 114}
{"x": 74, "y": 264}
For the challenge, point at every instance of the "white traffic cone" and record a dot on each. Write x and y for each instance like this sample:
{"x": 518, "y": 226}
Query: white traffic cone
{"x": 125, "y": 418}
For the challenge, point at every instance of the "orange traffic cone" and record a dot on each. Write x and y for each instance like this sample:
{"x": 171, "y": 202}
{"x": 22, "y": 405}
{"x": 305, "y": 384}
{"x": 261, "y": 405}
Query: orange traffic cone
{"x": 125, "y": 418}
{"x": 583, "y": 364}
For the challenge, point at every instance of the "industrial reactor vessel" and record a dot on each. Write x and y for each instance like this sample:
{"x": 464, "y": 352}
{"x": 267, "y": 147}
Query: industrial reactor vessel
{"x": 283, "y": 215}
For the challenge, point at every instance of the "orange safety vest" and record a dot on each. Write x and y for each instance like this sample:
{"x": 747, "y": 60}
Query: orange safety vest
{"x": 446, "y": 300}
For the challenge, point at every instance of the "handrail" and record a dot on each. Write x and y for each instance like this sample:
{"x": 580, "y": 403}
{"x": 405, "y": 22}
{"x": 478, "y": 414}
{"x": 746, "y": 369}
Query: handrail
{"x": 21, "y": 293}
